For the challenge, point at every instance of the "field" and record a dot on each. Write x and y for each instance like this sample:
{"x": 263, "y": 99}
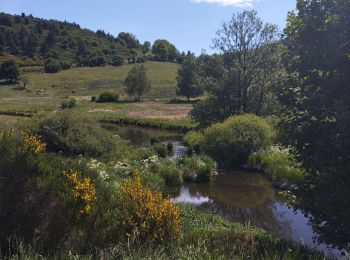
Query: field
{"x": 45, "y": 92}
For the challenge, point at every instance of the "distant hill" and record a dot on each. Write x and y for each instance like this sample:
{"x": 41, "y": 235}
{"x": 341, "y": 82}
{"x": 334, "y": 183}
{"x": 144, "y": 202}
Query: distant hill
{"x": 35, "y": 41}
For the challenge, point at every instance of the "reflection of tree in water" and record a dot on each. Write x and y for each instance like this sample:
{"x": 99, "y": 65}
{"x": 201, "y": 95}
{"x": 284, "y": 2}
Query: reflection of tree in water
{"x": 140, "y": 136}
{"x": 328, "y": 205}
{"x": 244, "y": 198}
{"x": 136, "y": 136}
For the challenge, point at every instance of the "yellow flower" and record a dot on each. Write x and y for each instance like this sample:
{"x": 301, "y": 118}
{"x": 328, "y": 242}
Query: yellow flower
{"x": 83, "y": 191}
{"x": 32, "y": 143}
{"x": 147, "y": 214}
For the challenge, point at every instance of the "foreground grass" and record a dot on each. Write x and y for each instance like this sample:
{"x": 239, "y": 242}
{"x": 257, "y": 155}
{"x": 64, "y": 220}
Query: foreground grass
{"x": 205, "y": 236}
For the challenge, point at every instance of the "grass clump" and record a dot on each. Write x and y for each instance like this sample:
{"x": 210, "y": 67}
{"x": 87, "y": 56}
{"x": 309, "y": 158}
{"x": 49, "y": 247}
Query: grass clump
{"x": 171, "y": 174}
{"x": 69, "y": 103}
{"x": 196, "y": 168}
{"x": 278, "y": 163}
{"x": 230, "y": 143}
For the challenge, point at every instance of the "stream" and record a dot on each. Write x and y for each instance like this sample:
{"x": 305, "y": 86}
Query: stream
{"x": 247, "y": 198}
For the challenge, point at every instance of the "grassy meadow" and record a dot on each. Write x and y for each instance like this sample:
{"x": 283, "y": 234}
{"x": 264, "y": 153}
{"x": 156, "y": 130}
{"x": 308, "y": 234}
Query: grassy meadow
{"x": 45, "y": 92}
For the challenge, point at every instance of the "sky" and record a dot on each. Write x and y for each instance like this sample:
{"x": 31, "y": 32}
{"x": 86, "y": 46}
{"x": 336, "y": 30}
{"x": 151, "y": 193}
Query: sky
{"x": 188, "y": 24}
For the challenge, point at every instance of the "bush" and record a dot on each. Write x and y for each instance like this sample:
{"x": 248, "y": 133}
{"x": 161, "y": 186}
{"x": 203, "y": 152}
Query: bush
{"x": 21, "y": 162}
{"x": 160, "y": 150}
{"x": 231, "y": 142}
{"x": 52, "y": 66}
{"x": 73, "y": 134}
{"x": 279, "y": 163}
{"x": 193, "y": 140}
{"x": 197, "y": 168}
{"x": 108, "y": 96}
{"x": 170, "y": 174}
{"x": 145, "y": 215}
{"x": 69, "y": 103}
{"x": 93, "y": 99}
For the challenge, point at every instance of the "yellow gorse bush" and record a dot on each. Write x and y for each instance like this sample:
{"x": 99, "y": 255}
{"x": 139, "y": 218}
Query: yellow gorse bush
{"x": 32, "y": 143}
{"x": 83, "y": 191}
{"x": 146, "y": 214}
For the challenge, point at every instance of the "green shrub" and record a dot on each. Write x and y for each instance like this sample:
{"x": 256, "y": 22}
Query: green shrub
{"x": 69, "y": 103}
{"x": 93, "y": 99}
{"x": 160, "y": 150}
{"x": 197, "y": 168}
{"x": 73, "y": 134}
{"x": 279, "y": 163}
{"x": 193, "y": 140}
{"x": 231, "y": 142}
{"x": 52, "y": 66}
{"x": 107, "y": 97}
{"x": 153, "y": 181}
{"x": 171, "y": 174}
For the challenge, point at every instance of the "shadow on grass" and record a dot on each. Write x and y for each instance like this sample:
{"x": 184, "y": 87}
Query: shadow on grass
{"x": 8, "y": 83}
{"x": 183, "y": 101}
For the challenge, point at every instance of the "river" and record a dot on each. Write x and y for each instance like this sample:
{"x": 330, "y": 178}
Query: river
{"x": 244, "y": 197}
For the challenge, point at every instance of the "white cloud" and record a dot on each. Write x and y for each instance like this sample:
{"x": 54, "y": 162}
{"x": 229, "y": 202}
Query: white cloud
{"x": 227, "y": 2}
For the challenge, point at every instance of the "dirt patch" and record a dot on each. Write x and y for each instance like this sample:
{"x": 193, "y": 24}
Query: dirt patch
{"x": 160, "y": 111}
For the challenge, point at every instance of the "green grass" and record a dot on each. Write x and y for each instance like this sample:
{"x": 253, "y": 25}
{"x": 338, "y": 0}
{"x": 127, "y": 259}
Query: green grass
{"x": 279, "y": 164}
{"x": 45, "y": 92}
{"x": 205, "y": 236}
{"x": 88, "y": 81}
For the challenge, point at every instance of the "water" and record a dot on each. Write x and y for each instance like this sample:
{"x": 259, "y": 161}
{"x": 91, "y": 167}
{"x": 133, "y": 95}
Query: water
{"x": 138, "y": 136}
{"x": 250, "y": 198}
{"x": 247, "y": 198}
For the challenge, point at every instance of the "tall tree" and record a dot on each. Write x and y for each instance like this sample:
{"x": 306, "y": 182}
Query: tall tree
{"x": 137, "y": 83}
{"x": 246, "y": 43}
{"x": 244, "y": 75}
{"x": 316, "y": 110}
{"x": 186, "y": 78}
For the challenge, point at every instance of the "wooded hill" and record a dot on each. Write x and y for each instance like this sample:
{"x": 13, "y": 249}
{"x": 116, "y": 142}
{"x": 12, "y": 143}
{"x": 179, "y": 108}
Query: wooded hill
{"x": 34, "y": 41}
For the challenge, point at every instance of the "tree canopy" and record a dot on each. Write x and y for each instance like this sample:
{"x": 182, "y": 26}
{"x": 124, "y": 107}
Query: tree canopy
{"x": 9, "y": 70}
{"x": 245, "y": 75}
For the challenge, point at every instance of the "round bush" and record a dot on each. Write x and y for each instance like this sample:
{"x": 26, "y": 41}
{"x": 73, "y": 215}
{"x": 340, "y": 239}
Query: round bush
{"x": 231, "y": 142}
{"x": 108, "y": 96}
{"x": 52, "y": 66}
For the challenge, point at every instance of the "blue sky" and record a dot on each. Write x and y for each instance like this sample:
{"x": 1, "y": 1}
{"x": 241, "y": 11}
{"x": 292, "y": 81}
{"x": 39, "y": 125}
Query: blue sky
{"x": 189, "y": 24}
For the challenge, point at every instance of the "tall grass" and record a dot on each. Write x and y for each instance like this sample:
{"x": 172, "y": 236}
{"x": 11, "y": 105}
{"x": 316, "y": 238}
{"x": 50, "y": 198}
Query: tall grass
{"x": 205, "y": 236}
{"x": 278, "y": 163}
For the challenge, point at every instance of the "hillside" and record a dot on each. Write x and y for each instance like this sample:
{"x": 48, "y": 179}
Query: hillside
{"x": 34, "y": 41}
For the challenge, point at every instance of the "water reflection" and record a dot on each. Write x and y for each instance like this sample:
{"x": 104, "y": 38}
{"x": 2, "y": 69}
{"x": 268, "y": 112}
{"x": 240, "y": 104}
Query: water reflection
{"x": 250, "y": 198}
{"x": 138, "y": 136}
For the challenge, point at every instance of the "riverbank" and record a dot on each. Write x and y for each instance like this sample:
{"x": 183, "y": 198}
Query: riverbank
{"x": 205, "y": 236}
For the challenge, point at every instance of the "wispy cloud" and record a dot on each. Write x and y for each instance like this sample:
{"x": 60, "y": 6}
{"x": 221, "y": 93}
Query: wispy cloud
{"x": 240, "y": 3}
